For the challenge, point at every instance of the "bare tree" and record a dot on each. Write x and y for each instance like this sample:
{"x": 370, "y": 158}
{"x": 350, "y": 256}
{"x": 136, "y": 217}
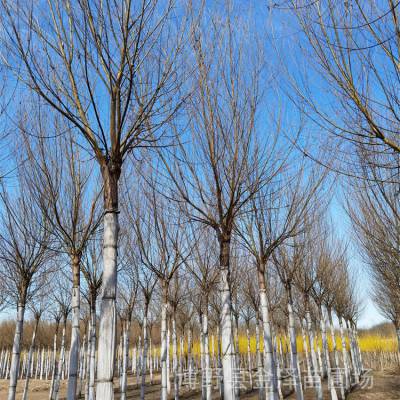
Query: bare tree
{"x": 24, "y": 255}
{"x": 202, "y": 265}
{"x": 38, "y": 307}
{"x": 110, "y": 70}
{"x": 128, "y": 301}
{"x": 92, "y": 272}
{"x": 221, "y": 162}
{"x": 60, "y": 181}
{"x": 373, "y": 207}
{"x": 163, "y": 249}
{"x": 276, "y": 215}
{"x": 62, "y": 297}
{"x": 354, "y": 51}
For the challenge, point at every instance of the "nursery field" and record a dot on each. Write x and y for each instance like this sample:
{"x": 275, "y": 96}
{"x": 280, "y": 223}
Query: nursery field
{"x": 199, "y": 199}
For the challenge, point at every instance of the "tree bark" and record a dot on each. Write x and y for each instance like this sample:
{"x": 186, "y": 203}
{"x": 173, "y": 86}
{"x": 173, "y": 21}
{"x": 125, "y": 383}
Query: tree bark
{"x": 293, "y": 349}
{"x": 75, "y": 331}
{"x": 261, "y": 393}
{"x": 271, "y": 379}
{"x": 31, "y": 348}
{"x": 344, "y": 354}
{"x": 207, "y": 364}
{"x": 249, "y": 364}
{"x": 54, "y": 362}
{"x": 125, "y": 358}
{"x": 314, "y": 363}
{"x": 145, "y": 347}
{"x": 16, "y": 351}
{"x": 175, "y": 357}
{"x": 60, "y": 363}
{"x": 107, "y": 327}
{"x": 92, "y": 360}
{"x": 164, "y": 349}
{"x": 228, "y": 355}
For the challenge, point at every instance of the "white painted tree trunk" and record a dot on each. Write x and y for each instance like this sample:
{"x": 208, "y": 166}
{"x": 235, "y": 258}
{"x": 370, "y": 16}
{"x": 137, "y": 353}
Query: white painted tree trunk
{"x": 358, "y": 350}
{"x": 181, "y": 353}
{"x": 16, "y": 351}
{"x": 219, "y": 361}
{"x": 293, "y": 350}
{"x": 92, "y": 361}
{"x": 332, "y": 384}
{"x": 325, "y": 352}
{"x": 271, "y": 380}
{"x": 344, "y": 355}
{"x": 30, "y": 354}
{"x": 261, "y": 392}
{"x": 75, "y": 333}
{"x": 151, "y": 359}
{"x": 107, "y": 325}
{"x": 189, "y": 358}
{"x": 82, "y": 365}
{"x": 207, "y": 364}
{"x": 139, "y": 361}
{"x": 168, "y": 358}
{"x": 60, "y": 367}
{"x": 144, "y": 358}
{"x": 249, "y": 363}
{"x": 42, "y": 364}
{"x": 228, "y": 356}
{"x": 125, "y": 358}
{"x": 175, "y": 357}
{"x": 314, "y": 363}
{"x": 203, "y": 388}
{"x": 134, "y": 360}
{"x": 237, "y": 374}
{"x": 54, "y": 363}
{"x": 164, "y": 349}
{"x": 306, "y": 352}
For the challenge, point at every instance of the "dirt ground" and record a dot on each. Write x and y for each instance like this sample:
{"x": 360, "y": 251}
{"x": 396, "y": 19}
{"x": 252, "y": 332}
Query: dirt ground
{"x": 383, "y": 386}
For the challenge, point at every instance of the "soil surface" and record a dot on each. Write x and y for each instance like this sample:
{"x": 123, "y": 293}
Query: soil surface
{"x": 382, "y": 386}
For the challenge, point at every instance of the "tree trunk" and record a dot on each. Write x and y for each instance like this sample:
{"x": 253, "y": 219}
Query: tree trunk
{"x": 164, "y": 349}
{"x": 107, "y": 327}
{"x": 92, "y": 362}
{"x": 228, "y": 360}
{"x": 175, "y": 357}
{"x": 31, "y": 348}
{"x": 344, "y": 354}
{"x": 306, "y": 354}
{"x": 314, "y": 363}
{"x": 326, "y": 354}
{"x": 220, "y": 372}
{"x": 145, "y": 347}
{"x": 293, "y": 349}
{"x": 249, "y": 365}
{"x": 271, "y": 379}
{"x": 168, "y": 357}
{"x": 260, "y": 369}
{"x": 60, "y": 363}
{"x": 75, "y": 332}
{"x": 54, "y": 363}
{"x": 189, "y": 358}
{"x": 203, "y": 388}
{"x": 16, "y": 351}
{"x": 125, "y": 358}
{"x": 207, "y": 364}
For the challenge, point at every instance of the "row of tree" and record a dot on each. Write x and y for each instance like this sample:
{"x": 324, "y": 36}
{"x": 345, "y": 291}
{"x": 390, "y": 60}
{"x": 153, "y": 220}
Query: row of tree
{"x": 197, "y": 170}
